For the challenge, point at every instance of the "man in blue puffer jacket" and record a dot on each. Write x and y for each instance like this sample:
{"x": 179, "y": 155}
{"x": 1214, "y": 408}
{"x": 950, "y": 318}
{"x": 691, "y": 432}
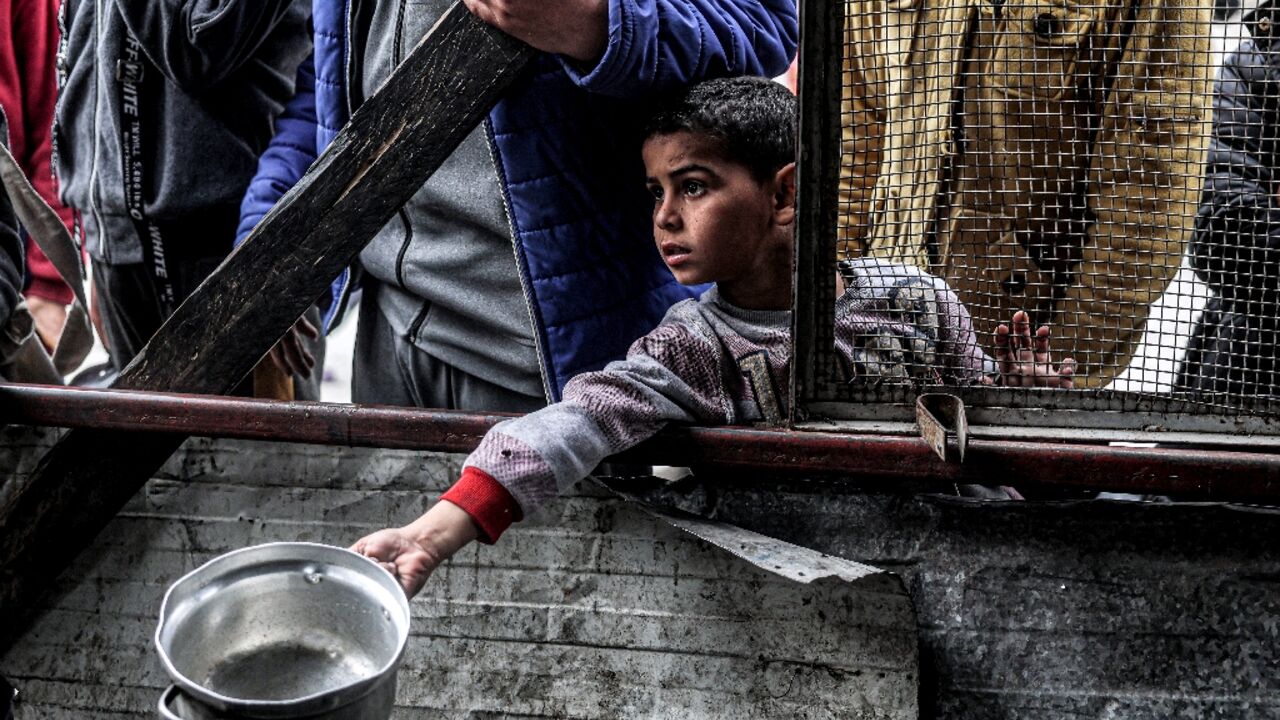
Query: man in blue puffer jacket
{"x": 527, "y": 258}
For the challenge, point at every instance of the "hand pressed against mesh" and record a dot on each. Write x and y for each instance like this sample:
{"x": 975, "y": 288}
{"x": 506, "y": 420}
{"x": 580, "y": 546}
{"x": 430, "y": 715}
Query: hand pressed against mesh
{"x": 1025, "y": 359}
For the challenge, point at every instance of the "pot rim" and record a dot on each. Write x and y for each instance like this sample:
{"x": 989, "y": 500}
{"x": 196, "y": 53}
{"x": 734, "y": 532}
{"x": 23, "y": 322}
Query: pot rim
{"x": 306, "y": 704}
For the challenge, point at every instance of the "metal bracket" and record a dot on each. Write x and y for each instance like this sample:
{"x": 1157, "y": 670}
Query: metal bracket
{"x": 940, "y": 415}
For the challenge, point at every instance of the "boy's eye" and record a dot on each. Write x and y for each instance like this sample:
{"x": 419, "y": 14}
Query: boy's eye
{"x": 655, "y": 191}
{"x": 693, "y": 188}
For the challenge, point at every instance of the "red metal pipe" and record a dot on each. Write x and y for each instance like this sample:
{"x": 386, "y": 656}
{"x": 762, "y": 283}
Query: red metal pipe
{"x": 1191, "y": 473}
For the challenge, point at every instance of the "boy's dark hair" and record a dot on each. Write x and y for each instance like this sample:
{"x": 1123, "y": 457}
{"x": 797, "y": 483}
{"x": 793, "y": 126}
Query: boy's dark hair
{"x": 754, "y": 117}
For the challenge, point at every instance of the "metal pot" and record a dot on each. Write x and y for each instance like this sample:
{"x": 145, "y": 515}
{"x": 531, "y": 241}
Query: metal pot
{"x": 283, "y": 630}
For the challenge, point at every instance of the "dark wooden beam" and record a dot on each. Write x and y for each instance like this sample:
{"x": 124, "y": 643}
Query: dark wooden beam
{"x": 818, "y": 178}
{"x": 393, "y": 143}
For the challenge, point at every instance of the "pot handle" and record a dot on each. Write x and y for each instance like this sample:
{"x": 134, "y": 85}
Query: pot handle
{"x": 166, "y": 698}
{"x": 177, "y": 705}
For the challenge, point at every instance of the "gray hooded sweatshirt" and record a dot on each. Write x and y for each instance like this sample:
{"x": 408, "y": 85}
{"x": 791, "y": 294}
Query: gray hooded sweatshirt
{"x": 216, "y": 73}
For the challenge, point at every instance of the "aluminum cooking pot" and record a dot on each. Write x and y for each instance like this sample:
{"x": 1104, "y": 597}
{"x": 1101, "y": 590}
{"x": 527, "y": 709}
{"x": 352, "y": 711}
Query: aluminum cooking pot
{"x": 285, "y": 630}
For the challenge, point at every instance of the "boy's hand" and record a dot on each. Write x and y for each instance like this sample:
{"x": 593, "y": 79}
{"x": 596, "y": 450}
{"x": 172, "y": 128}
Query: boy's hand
{"x": 413, "y": 552}
{"x": 1025, "y": 361}
{"x": 575, "y": 28}
{"x": 397, "y": 553}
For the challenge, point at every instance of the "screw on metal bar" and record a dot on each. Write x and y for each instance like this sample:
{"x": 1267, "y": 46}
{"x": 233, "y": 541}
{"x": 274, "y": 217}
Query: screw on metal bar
{"x": 940, "y": 415}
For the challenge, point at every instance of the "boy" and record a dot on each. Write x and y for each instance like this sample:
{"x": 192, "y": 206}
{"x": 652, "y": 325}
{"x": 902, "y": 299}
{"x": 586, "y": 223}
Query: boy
{"x": 721, "y": 172}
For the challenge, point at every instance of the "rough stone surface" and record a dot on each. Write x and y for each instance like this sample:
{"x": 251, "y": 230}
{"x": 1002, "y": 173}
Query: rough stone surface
{"x": 1041, "y": 610}
{"x": 1053, "y": 610}
{"x": 595, "y": 609}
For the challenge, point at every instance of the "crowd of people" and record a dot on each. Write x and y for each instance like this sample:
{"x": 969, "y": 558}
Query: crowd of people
{"x": 531, "y": 273}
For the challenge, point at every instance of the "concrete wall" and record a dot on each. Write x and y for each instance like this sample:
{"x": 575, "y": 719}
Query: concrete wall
{"x": 595, "y": 610}
{"x": 1053, "y": 610}
{"x": 1036, "y": 610}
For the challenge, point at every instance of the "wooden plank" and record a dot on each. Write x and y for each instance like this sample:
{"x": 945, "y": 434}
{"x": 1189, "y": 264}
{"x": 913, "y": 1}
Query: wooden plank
{"x": 393, "y": 143}
{"x": 817, "y": 200}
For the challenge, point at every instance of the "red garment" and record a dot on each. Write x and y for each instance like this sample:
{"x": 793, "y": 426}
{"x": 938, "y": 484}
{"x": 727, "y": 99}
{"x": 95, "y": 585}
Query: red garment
{"x": 28, "y": 91}
{"x": 490, "y": 505}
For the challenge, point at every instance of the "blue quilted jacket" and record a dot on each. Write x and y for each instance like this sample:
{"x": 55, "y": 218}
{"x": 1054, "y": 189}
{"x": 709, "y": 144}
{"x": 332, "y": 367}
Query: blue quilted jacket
{"x": 567, "y": 145}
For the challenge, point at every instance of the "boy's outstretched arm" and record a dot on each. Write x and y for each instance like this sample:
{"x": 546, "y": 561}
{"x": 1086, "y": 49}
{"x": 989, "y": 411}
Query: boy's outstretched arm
{"x": 1026, "y": 361}
{"x": 671, "y": 375}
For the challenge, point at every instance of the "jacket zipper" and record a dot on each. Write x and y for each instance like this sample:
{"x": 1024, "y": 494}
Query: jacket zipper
{"x": 347, "y": 59}
{"x": 522, "y": 268}
{"x": 404, "y": 247}
{"x": 95, "y": 204}
{"x": 396, "y": 47}
{"x": 416, "y": 326}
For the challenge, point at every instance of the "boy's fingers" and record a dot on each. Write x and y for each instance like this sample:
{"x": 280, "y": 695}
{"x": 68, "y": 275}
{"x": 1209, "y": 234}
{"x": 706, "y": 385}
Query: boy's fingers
{"x": 1002, "y": 336}
{"x": 1021, "y": 330}
{"x": 1041, "y": 344}
{"x": 479, "y": 8}
{"x": 1067, "y": 373}
{"x": 308, "y": 359}
{"x": 1020, "y": 338}
{"x": 1012, "y": 492}
{"x": 1004, "y": 359}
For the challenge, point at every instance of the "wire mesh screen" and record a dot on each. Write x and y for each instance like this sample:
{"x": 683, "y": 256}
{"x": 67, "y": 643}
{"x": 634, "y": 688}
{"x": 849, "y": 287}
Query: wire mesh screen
{"x": 1072, "y": 161}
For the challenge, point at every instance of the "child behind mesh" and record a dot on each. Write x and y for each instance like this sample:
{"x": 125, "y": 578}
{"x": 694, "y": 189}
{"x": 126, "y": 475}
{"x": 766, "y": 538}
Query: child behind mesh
{"x": 719, "y": 160}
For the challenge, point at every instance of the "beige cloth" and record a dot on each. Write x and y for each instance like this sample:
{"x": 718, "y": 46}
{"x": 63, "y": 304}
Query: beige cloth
{"x": 864, "y": 97}
{"x": 1045, "y": 157}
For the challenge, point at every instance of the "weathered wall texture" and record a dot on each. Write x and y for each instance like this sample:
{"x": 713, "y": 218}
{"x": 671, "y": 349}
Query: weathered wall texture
{"x": 1045, "y": 611}
{"x": 1050, "y": 611}
{"x": 595, "y": 611}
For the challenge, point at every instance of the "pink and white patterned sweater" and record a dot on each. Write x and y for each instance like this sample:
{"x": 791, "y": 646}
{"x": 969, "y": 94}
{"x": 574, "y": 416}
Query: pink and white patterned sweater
{"x": 712, "y": 363}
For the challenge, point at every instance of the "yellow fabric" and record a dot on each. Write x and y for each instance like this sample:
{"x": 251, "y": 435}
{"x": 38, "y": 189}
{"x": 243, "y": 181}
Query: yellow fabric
{"x": 1048, "y": 158}
{"x": 863, "y": 109}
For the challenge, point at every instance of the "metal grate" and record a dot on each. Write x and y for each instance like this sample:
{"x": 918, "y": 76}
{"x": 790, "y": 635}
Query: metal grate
{"x": 1072, "y": 160}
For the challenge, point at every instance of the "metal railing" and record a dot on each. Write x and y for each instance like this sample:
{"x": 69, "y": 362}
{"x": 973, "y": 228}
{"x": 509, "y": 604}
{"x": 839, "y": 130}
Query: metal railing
{"x": 1207, "y": 473}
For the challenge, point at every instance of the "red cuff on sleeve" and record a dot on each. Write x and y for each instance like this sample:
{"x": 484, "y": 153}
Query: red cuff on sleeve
{"x": 490, "y": 505}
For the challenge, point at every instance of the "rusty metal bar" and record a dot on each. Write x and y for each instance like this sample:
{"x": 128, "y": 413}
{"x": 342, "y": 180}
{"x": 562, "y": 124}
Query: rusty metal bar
{"x": 1200, "y": 473}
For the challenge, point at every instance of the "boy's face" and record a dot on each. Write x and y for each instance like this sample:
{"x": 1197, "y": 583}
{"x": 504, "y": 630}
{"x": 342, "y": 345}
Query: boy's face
{"x": 714, "y": 222}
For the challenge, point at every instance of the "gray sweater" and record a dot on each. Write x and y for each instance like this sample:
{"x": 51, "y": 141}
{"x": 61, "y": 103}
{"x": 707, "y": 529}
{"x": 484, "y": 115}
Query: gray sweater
{"x": 217, "y": 74}
{"x": 712, "y": 363}
{"x": 448, "y": 254}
